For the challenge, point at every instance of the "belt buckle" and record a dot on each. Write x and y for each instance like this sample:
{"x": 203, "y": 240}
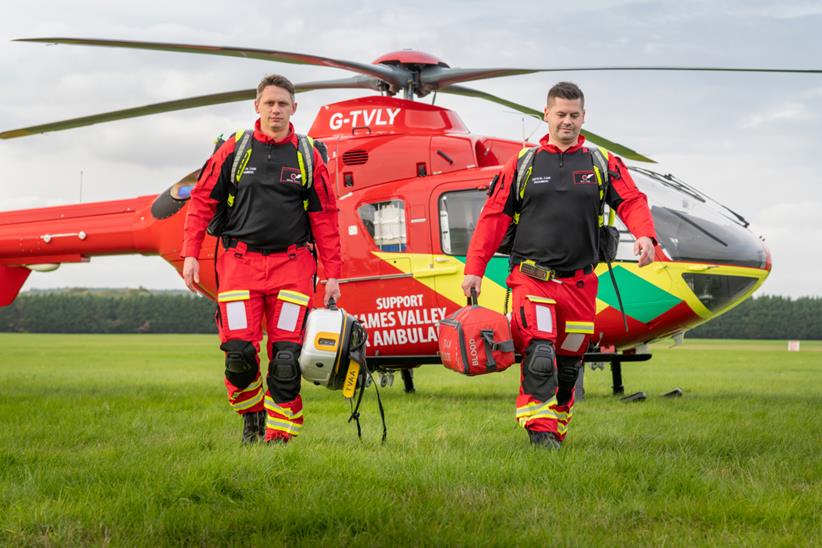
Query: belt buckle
{"x": 530, "y": 268}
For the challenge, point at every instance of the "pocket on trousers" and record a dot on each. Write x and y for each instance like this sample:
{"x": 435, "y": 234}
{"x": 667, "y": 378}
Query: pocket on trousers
{"x": 293, "y": 305}
{"x": 539, "y": 315}
{"x": 235, "y": 303}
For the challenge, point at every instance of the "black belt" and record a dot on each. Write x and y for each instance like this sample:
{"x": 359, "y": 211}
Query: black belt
{"x": 515, "y": 261}
{"x": 572, "y": 273}
{"x": 230, "y": 243}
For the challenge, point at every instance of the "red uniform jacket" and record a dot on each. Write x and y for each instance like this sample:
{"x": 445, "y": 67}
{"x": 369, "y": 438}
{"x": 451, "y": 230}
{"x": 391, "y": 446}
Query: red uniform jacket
{"x": 497, "y": 214}
{"x": 322, "y": 219}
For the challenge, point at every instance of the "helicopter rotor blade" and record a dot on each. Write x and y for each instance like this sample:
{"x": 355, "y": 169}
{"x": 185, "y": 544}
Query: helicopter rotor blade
{"x": 396, "y": 77}
{"x": 433, "y": 78}
{"x": 182, "y": 104}
{"x": 622, "y": 150}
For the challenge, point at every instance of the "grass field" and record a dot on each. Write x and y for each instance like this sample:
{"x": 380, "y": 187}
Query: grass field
{"x": 128, "y": 440}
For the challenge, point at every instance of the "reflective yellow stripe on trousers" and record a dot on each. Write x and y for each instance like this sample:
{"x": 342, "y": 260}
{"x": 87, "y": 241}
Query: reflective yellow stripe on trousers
{"x": 250, "y": 402}
{"x": 537, "y": 410}
{"x": 284, "y": 411}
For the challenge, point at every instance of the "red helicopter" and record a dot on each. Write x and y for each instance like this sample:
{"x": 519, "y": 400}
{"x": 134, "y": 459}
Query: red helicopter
{"x": 411, "y": 180}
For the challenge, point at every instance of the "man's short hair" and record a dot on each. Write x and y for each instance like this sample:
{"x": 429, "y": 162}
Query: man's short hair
{"x": 276, "y": 80}
{"x": 566, "y": 90}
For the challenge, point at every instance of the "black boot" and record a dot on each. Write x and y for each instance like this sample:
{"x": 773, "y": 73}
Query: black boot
{"x": 546, "y": 440}
{"x": 251, "y": 427}
{"x": 261, "y": 418}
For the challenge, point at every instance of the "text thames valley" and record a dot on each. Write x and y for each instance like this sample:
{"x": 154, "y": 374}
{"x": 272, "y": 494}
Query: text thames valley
{"x": 401, "y": 320}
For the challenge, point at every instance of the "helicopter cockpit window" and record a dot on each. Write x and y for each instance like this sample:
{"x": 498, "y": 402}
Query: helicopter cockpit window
{"x": 385, "y": 222}
{"x": 692, "y": 227}
{"x": 459, "y": 212}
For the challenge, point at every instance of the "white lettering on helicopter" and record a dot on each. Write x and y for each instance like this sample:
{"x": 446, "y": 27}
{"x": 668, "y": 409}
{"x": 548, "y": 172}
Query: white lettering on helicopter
{"x": 385, "y": 303}
{"x": 374, "y": 116}
{"x": 401, "y": 320}
{"x": 416, "y": 335}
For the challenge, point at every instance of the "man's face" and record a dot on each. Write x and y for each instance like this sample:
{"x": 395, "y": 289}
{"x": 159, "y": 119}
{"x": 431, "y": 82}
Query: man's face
{"x": 275, "y": 108}
{"x": 565, "y": 118}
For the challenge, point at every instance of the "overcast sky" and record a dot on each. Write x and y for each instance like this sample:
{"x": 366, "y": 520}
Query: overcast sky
{"x": 751, "y": 141}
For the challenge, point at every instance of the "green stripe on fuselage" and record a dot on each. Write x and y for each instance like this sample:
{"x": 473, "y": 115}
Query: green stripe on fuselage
{"x": 496, "y": 271}
{"x": 643, "y": 300}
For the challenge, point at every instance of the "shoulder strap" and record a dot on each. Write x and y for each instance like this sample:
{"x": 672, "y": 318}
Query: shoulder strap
{"x": 600, "y": 157}
{"x": 305, "y": 157}
{"x": 242, "y": 154}
{"x": 525, "y": 165}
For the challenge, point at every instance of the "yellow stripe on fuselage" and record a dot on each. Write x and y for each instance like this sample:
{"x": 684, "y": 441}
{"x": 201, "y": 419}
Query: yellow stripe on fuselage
{"x": 443, "y": 274}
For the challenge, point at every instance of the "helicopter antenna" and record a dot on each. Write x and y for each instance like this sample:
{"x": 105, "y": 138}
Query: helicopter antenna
{"x": 536, "y": 127}
{"x": 522, "y": 120}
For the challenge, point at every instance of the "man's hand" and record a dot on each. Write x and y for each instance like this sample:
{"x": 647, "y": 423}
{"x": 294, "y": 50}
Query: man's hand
{"x": 332, "y": 290}
{"x": 191, "y": 272}
{"x": 471, "y": 282}
{"x": 644, "y": 247}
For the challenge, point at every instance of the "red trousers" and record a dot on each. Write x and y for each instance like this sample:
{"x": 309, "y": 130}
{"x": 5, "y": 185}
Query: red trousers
{"x": 560, "y": 311}
{"x": 275, "y": 288}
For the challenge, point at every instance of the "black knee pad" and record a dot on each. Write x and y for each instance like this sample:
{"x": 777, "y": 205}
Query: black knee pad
{"x": 567, "y": 373}
{"x": 539, "y": 376}
{"x": 240, "y": 362}
{"x": 284, "y": 372}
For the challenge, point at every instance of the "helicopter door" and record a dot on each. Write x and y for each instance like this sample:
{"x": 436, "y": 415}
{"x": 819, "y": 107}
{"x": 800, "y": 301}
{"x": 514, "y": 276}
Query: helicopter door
{"x": 456, "y": 207}
{"x": 392, "y": 294}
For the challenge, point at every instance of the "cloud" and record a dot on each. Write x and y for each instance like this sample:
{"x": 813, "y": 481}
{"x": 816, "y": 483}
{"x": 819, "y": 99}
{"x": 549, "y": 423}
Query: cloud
{"x": 789, "y": 112}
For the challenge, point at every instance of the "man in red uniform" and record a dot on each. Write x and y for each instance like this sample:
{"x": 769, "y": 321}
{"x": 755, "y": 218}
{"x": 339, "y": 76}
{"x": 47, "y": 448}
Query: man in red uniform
{"x": 557, "y": 208}
{"x": 272, "y": 216}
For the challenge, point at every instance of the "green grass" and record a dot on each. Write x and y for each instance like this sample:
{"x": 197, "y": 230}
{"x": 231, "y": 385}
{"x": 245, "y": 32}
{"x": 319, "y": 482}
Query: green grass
{"x": 128, "y": 440}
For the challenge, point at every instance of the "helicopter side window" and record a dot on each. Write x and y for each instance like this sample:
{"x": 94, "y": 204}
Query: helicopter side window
{"x": 459, "y": 212}
{"x": 385, "y": 223}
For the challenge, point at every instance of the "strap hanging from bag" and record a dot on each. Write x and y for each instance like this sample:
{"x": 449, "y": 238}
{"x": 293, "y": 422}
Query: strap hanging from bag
{"x": 355, "y": 411}
{"x": 601, "y": 166}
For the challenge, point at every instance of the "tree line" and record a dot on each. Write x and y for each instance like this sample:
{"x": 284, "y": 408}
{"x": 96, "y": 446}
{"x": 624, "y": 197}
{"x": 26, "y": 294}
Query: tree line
{"x": 143, "y": 311}
{"x": 767, "y": 317}
{"x": 108, "y": 311}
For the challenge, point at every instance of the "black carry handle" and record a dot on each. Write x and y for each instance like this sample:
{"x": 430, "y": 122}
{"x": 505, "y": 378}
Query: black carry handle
{"x": 473, "y": 299}
{"x": 488, "y": 337}
{"x": 332, "y": 304}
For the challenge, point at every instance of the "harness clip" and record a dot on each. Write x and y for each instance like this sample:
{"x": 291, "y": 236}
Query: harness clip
{"x": 532, "y": 269}
{"x": 240, "y": 249}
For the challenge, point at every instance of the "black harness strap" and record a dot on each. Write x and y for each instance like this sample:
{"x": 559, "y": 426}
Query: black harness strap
{"x": 365, "y": 374}
{"x": 602, "y": 164}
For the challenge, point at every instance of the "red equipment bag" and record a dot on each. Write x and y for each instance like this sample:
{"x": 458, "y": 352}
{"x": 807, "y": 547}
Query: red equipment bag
{"x": 475, "y": 340}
